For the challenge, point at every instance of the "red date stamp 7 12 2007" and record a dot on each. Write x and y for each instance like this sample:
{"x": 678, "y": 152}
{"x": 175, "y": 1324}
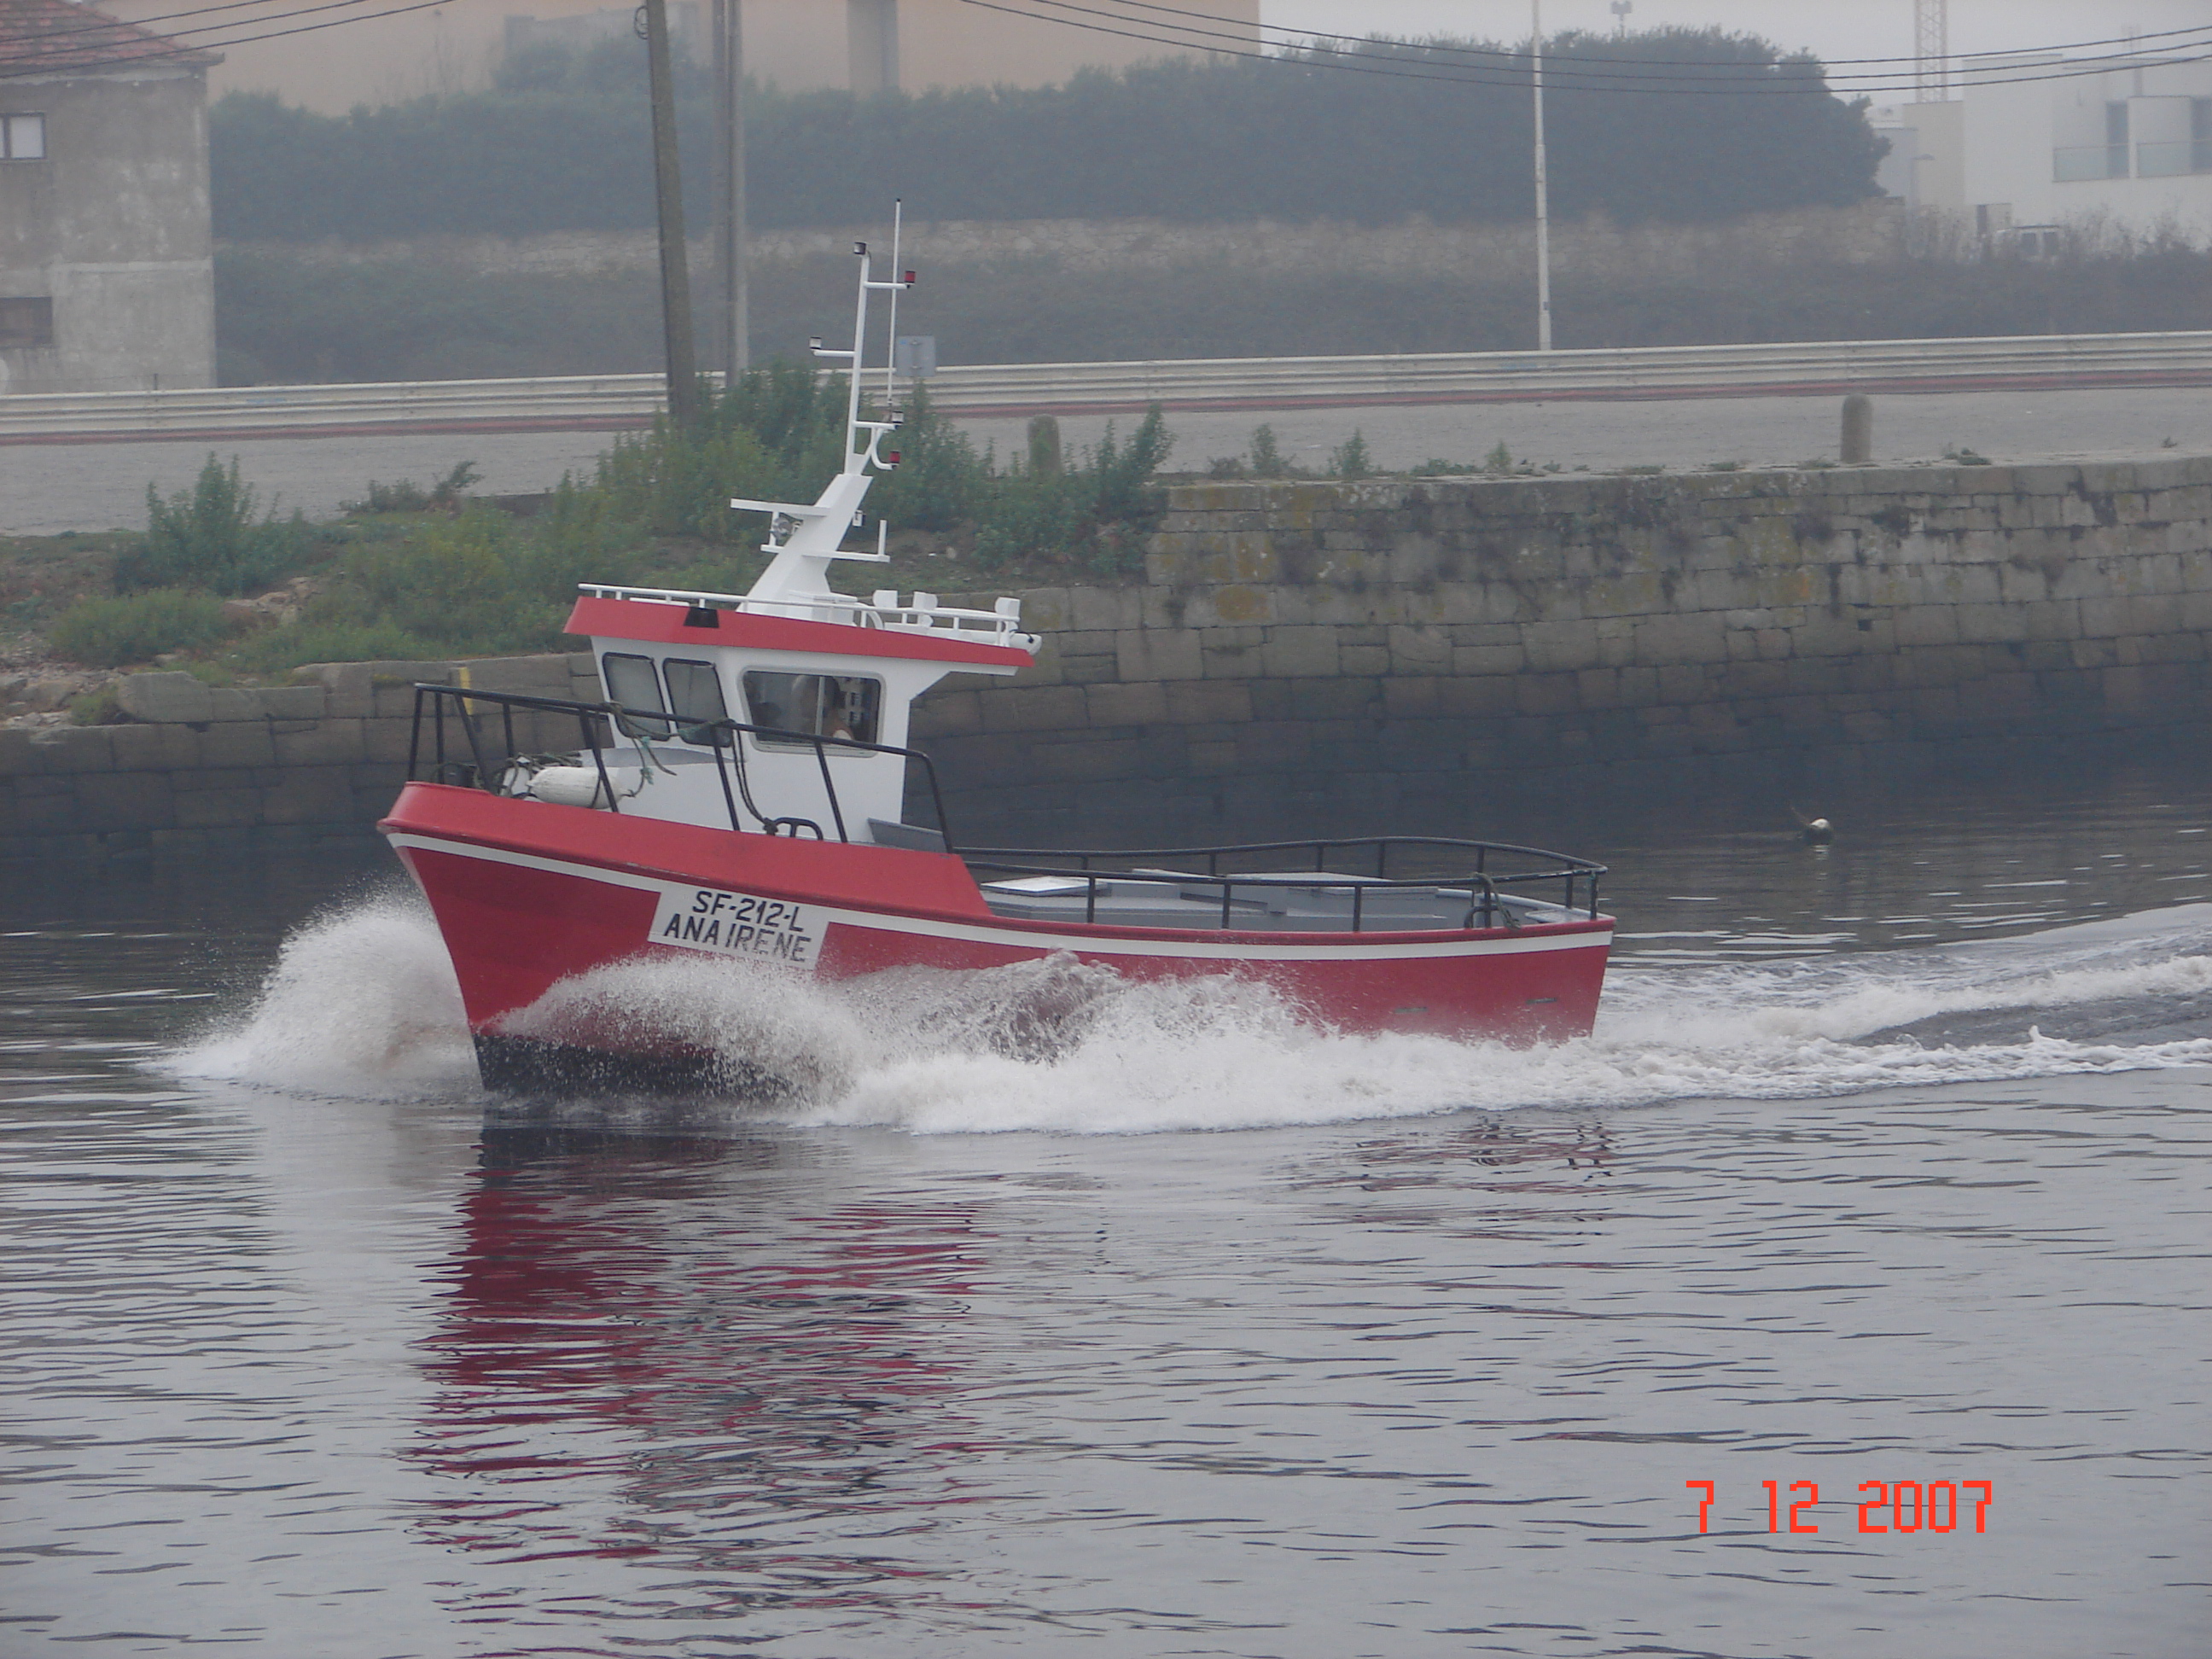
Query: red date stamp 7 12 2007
{"x": 1906, "y": 1506}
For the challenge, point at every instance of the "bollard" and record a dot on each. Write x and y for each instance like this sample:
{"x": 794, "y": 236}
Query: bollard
{"x": 1044, "y": 445}
{"x": 1858, "y": 430}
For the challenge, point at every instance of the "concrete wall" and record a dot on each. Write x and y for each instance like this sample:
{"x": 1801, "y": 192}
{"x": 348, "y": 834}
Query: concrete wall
{"x": 1868, "y": 233}
{"x": 1398, "y": 650}
{"x": 1393, "y": 652}
{"x": 111, "y": 226}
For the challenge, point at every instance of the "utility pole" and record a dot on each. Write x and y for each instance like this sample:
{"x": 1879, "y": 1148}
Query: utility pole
{"x": 668, "y": 194}
{"x": 731, "y": 327}
{"x": 1543, "y": 193}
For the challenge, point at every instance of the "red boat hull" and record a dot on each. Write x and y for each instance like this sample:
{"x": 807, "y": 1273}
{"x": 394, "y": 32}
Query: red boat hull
{"x": 529, "y": 894}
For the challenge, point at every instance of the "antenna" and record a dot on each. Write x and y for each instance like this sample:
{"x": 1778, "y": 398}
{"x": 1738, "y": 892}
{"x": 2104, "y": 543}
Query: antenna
{"x": 890, "y": 357}
{"x": 858, "y": 460}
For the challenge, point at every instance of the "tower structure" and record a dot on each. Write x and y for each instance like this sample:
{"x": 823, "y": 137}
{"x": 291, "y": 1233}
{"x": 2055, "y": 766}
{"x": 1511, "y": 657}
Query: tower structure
{"x": 1931, "y": 51}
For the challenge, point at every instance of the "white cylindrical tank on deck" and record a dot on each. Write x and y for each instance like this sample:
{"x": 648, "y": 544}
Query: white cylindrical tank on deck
{"x": 569, "y": 786}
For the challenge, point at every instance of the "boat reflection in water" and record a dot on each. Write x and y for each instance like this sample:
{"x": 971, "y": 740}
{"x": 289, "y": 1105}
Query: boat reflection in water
{"x": 695, "y": 1351}
{"x": 632, "y": 1364}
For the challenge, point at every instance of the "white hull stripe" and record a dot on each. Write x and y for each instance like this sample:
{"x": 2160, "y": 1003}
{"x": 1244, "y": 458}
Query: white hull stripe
{"x": 1026, "y": 936}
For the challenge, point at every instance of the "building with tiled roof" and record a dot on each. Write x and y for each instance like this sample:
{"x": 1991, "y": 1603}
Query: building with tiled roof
{"x": 106, "y": 276}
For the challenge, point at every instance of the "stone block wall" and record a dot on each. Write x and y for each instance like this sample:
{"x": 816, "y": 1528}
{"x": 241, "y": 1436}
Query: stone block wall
{"x": 1408, "y": 646}
{"x": 197, "y": 769}
{"x": 1354, "y": 655}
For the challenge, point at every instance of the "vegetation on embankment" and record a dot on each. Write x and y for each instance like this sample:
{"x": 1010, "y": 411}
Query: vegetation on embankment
{"x": 411, "y": 572}
{"x": 562, "y": 141}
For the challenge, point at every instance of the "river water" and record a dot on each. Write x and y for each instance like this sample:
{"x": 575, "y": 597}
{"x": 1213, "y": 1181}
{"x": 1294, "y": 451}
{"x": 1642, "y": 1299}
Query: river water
{"x": 1199, "y": 1335}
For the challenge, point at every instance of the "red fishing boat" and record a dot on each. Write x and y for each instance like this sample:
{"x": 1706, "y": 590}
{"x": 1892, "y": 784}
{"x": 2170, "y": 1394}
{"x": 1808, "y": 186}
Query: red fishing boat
{"x": 745, "y": 791}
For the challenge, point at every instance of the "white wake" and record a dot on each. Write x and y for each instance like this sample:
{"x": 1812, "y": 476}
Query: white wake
{"x": 362, "y": 1002}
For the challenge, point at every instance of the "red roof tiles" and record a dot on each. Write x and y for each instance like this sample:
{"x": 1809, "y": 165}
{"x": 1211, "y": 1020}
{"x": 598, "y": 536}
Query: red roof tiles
{"x": 49, "y": 37}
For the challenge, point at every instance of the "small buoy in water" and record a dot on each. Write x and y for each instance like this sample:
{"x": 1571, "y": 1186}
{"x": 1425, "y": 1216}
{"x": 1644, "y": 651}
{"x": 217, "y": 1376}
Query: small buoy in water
{"x": 1818, "y": 832}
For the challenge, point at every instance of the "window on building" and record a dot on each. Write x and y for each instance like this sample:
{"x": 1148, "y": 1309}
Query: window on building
{"x": 23, "y": 137}
{"x": 816, "y": 705}
{"x": 2116, "y": 140}
{"x": 695, "y": 694}
{"x": 28, "y": 322}
{"x": 2200, "y": 135}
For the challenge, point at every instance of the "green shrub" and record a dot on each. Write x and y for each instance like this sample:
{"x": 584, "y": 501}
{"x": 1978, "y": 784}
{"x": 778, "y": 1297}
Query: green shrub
{"x": 208, "y": 537}
{"x": 772, "y": 436}
{"x": 941, "y": 480}
{"x": 1094, "y": 514}
{"x": 100, "y": 707}
{"x": 680, "y": 483}
{"x": 1035, "y": 515}
{"x": 137, "y": 627}
{"x": 1267, "y": 459}
{"x": 1125, "y": 474}
{"x": 1351, "y": 458}
{"x": 775, "y": 436}
{"x": 407, "y": 496}
{"x": 475, "y": 581}
{"x": 273, "y": 650}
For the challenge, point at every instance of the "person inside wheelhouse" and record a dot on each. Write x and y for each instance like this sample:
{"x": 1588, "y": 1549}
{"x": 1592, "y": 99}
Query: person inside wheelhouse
{"x": 838, "y": 706}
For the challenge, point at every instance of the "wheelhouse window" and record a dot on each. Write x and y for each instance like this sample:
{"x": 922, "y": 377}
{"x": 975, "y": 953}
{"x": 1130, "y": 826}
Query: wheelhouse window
{"x": 27, "y": 323}
{"x": 23, "y": 137}
{"x": 632, "y": 682}
{"x": 816, "y": 705}
{"x": 695, "y": 695}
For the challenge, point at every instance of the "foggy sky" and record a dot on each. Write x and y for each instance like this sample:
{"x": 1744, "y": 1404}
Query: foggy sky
{"x": 1833, "y": 29}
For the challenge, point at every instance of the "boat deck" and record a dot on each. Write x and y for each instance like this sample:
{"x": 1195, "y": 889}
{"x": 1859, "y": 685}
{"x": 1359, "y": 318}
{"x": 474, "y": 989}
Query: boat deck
{"x": 1296, "y": 901}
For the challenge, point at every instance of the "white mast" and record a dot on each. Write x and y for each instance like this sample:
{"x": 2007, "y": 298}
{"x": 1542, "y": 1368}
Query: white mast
{"x": 805, "y": 538}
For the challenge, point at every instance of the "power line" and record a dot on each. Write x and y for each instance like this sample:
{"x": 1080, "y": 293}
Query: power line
{"x": 1661, "y": 78}
{"x": 105, "y": 24}
{"x": 1658, "y": 81}
{"x": 1506, "y": 52}
{"x": 63, "y": 61}
{"x": 1636, "y": 78}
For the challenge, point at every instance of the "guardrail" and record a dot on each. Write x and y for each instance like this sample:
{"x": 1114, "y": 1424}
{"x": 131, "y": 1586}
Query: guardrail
{"x": 605, "y": 402}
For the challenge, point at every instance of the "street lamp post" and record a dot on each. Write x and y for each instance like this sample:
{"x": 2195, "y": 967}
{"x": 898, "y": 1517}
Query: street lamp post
{"x": 730, "y": 330}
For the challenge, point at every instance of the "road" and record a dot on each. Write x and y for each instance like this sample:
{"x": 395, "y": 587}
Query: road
{"x": 46, "y": 488}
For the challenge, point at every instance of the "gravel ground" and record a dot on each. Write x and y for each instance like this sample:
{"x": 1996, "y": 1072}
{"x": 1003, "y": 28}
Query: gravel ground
{"x": 46, "y": 488}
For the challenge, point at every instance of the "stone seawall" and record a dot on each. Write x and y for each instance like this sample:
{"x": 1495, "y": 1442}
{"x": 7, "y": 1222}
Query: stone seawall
{"x": 1394, "y": 652}
{"x": 199, "y": 771}
{"x": 1404, "y": 648}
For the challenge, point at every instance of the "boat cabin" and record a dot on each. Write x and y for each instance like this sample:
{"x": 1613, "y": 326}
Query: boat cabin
{"x": 679, "y": 664}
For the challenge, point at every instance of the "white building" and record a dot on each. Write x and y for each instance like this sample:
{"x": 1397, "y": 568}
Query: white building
{"x": 2131, "y": 145}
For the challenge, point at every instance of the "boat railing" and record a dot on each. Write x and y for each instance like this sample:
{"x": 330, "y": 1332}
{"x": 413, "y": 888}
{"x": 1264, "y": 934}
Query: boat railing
{"x": 922, "y": 614}
{"x": 605, "y": 726}
{"x": 451, "y": 743}
{"x": 1491, "y": 872}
